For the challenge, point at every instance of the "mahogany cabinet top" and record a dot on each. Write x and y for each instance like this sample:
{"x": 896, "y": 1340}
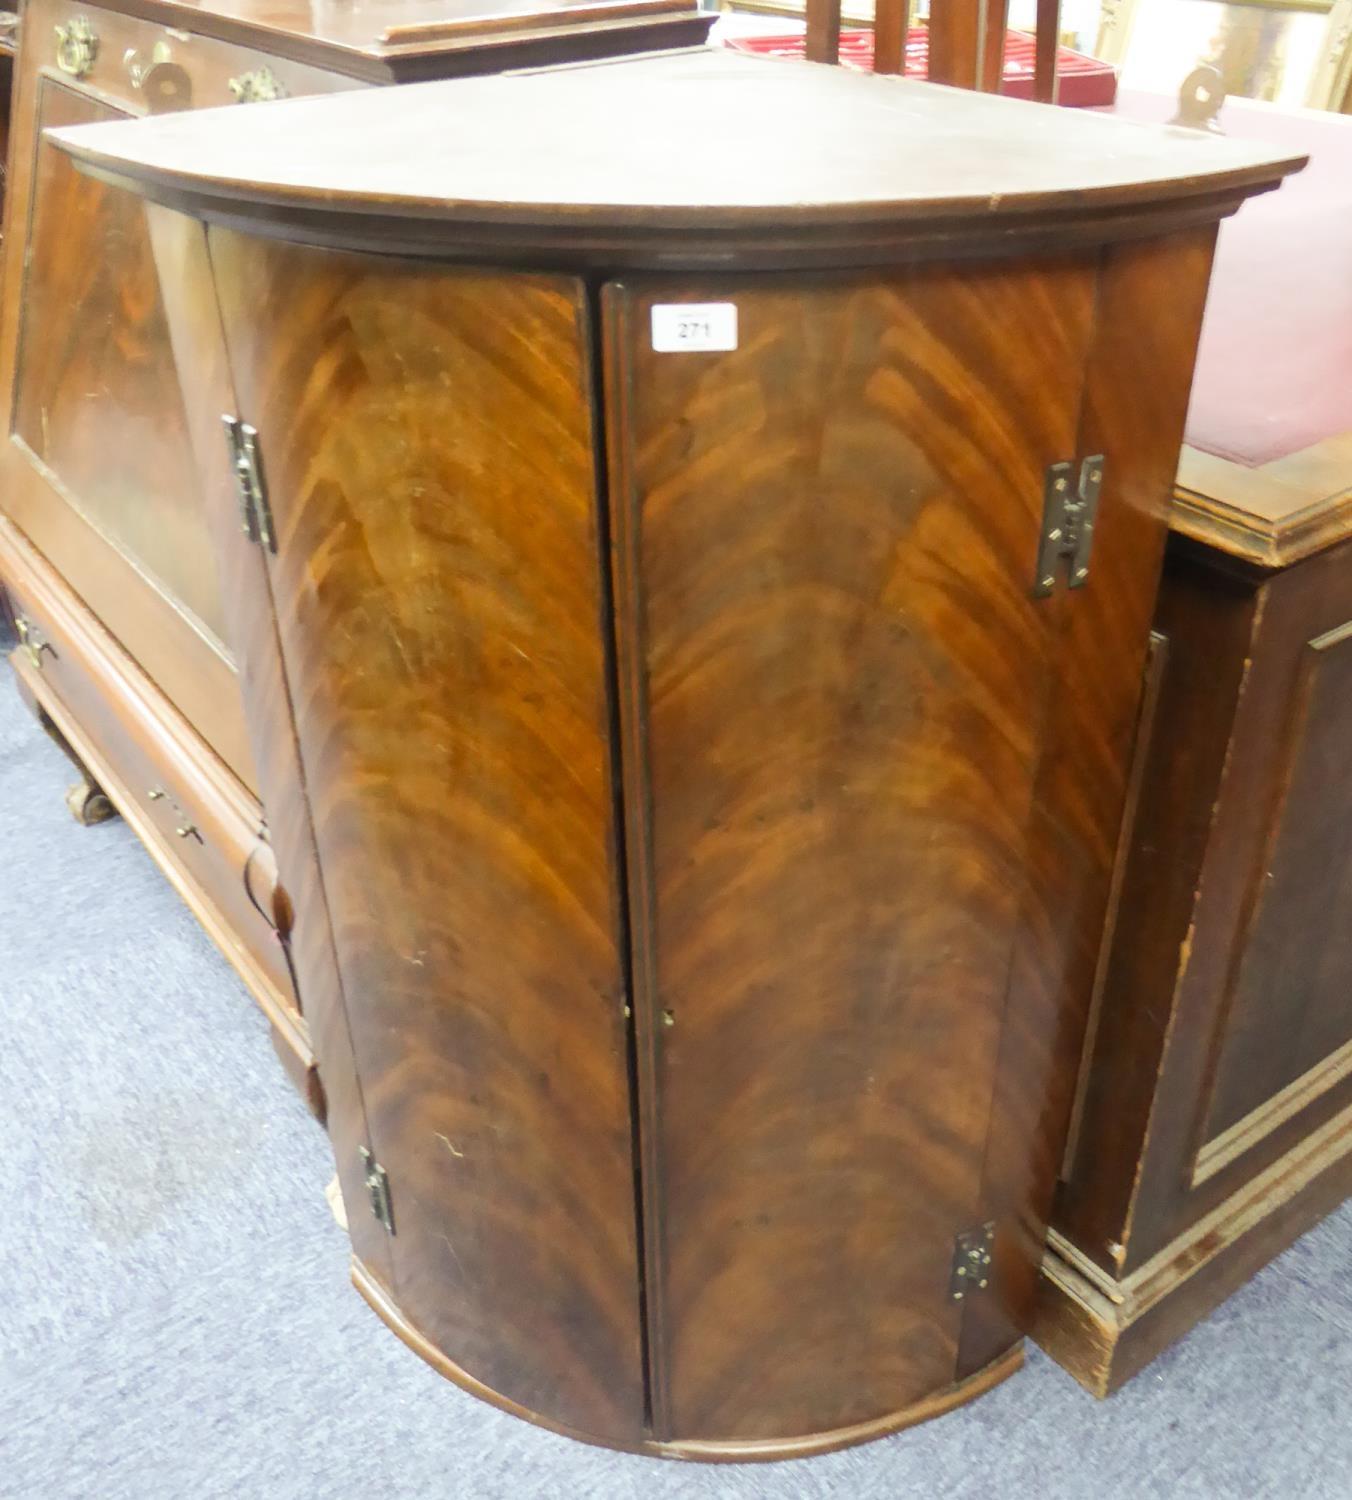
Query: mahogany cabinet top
{"x": 696, "y": 158}
{"x": 396, "y": 40}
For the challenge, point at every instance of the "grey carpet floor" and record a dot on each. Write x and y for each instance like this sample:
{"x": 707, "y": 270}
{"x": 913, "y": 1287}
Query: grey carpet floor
{"x": 176, "y": 1320}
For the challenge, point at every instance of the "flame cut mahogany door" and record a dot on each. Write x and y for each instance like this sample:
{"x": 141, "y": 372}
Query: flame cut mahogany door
{"x": 438, "y": 593}
{"x": 836, "y": 686}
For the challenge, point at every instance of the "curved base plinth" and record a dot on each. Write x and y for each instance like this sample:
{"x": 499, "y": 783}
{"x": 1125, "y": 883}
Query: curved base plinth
{"x": 732, "y": 1450}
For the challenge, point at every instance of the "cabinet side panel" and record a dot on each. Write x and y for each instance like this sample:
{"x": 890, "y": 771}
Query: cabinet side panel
{"x": 835, "y": 679}
{"x": 183, "y": 263}
{"x": 427, "y": 446}
{"x": 1147, "y": 321}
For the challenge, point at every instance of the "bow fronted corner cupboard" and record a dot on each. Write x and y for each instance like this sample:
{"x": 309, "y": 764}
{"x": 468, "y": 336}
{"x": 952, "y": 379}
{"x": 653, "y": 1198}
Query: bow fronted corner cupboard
{"x": 103, "y": 548}
{"x": 692, "y": 610}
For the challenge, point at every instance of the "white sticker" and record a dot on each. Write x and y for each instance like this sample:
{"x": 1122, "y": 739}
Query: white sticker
{"x": 685, "y": 327}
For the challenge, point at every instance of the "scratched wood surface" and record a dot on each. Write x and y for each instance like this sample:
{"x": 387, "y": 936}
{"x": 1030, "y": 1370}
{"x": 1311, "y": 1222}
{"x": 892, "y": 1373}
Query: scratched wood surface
{"x": 834, "y": 686}
{"x": 437, "y": 592}
{"x": 1290, "y": 1006}
{"x": 1259, "y": 994}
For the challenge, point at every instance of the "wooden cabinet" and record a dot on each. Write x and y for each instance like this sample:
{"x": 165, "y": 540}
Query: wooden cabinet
{"x": 1215, "y": 1118}
{"x": 1216, "y": 1122}
{"x": 692, "y": 618}
{"x": 104, "y": 526}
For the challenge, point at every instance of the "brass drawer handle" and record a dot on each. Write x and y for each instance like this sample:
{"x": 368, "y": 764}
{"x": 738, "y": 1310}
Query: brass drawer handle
{"x": 137, "y": 69}
{"x": 184, "y": 827}
{"x": 32, "y": 642}
{"x": 77, "y": 45}
{"x": 257, "y": 87}
{"x": 164, "y": 85}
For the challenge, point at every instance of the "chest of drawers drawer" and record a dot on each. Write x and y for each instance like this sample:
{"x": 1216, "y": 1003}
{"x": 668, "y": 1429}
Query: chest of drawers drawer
{"x": 145, "y": 67}
{"x": 198, "y": 824}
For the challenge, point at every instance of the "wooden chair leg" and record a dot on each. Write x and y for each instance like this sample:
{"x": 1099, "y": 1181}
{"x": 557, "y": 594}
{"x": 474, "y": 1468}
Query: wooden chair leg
{"x": 1044, "y": 56}
{"x": 889, "y": 35}
{"x": 967, "y": 43}
{"x": 823, "y": 30}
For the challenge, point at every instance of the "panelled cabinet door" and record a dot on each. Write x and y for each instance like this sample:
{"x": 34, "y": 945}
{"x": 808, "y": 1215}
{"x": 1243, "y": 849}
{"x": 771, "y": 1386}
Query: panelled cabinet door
{"x": 98, "y": 468}
{"x": 835, "y": 686}
{"x": 1284, "y": 1037}
{"x": 1265, "y": 1060}
{"x": 97, "y": 400}
{"x": 428, "y": 457}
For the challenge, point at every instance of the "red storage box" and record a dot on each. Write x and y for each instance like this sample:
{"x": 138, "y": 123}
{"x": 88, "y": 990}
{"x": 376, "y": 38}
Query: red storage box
{"x": 1085, "y": 83}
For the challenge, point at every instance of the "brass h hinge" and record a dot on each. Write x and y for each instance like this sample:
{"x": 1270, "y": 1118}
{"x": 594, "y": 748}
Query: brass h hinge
{"x": 971, "y": 1268}
{"x": 1068, "y": 510}
{"x": 378, "y": 1189}
{"x": 255, "y": 512}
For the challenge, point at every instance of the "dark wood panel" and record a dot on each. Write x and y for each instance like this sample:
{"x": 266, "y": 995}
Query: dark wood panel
{"x": 96, "y": 395}
{"x": 1147, "y": 320}
{"x": 835, "y": 683}
{"x": 1292, "y": 1003}
{"x": 427, "y": 444}
{"x": 191, "y": 670}
{"x": 1182, "y": 1174}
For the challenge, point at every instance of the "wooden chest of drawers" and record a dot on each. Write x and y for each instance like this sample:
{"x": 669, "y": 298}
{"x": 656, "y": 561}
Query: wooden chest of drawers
{"x": 103, "y": 546}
